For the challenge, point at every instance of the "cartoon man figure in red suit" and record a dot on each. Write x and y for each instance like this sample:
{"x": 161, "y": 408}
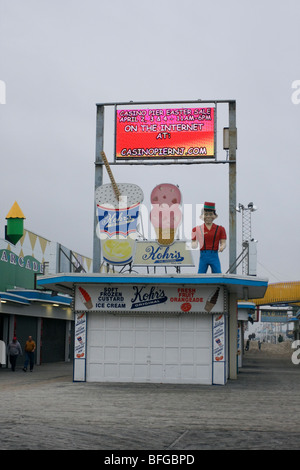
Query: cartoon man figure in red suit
{"x": 211, "y": 239}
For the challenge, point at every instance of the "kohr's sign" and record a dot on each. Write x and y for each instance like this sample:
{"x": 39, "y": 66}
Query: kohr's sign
{"x": 151, "y": 253}
{"x": 139, "y": 298}
{"x": 115, "y": 222}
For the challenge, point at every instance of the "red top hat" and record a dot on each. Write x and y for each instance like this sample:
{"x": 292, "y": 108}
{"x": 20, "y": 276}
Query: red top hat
{"x": 209, "y": 206}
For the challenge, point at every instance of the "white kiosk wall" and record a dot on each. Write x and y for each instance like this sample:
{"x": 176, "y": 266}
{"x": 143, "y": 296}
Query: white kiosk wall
{"x": 144, "y": 349}
{"x": 162, "y": 334}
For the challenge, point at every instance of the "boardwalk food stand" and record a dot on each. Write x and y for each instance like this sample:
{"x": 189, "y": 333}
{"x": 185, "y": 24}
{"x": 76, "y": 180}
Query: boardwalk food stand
{"x": 159, "y": 329}
{"x": 145, "y": 327}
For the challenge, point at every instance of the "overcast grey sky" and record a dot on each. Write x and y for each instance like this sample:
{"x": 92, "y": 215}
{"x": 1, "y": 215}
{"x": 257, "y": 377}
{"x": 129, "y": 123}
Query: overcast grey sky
{"x": 58, "y": 58}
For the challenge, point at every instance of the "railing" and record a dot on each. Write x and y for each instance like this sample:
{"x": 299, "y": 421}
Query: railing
{"x": 239, "y": 259}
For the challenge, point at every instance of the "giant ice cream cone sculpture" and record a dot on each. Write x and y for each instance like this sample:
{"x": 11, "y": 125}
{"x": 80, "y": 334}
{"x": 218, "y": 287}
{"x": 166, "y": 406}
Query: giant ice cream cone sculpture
{"x": 166, "y": 213}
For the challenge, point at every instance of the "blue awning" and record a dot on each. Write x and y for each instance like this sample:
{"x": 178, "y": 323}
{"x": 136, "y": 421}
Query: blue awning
{"x": 250, "y": 286}
{"x": 26, "y": 296}
{"x": 4, "y": 296}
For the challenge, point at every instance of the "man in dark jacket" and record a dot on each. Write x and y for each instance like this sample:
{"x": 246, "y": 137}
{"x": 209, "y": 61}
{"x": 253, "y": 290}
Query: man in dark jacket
{"x": 13, "y": 351}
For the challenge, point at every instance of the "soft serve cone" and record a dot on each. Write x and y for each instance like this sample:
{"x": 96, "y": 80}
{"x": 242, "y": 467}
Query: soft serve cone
{"x": 211, "y": 302}
{"x": 166, "y": 213}
{"x": 165, "y": 220}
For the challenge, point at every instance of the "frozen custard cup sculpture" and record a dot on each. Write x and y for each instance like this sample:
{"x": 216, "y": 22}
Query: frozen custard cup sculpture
{"x": 166, "y": 213}
{"x": 117, "y": 220}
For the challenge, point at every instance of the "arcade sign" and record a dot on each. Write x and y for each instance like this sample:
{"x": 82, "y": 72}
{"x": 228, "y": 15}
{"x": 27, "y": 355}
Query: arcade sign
{"x": 165, "y": 133}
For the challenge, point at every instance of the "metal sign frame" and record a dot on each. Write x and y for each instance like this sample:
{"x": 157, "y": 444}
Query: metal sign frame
{"x": 230, "y": 146}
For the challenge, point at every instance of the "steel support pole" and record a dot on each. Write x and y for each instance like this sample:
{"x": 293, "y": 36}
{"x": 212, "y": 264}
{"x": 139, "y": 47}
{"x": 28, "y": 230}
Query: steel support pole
{"x": 232, "y": 239}
{"x": 232, "y": 336}
{"x": 232, "y": 185}
{"x": 98, "y": 182}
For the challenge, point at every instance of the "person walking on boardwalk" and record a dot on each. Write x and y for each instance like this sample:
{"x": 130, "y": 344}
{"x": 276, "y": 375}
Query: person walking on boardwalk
{"x": 13, "y": 351}
{"x": 29, "y": 354}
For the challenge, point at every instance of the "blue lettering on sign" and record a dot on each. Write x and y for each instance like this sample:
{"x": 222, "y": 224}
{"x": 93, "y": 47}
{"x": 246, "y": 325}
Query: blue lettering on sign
{"x": 161, "y": 254}
{"x": 118, "y": 221}
{"x": 145, "y": 298}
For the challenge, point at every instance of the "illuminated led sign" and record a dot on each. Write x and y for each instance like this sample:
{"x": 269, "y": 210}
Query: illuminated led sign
{"x": 165, "y": 133}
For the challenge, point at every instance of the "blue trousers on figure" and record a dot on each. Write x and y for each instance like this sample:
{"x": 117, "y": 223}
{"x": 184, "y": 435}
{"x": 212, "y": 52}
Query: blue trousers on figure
{"x": 29, "y": 358}
{"x": 209, "y": 258}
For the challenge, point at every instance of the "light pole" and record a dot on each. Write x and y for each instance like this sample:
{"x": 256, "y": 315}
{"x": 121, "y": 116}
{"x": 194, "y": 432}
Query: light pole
{"x": 246, "y": 232}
